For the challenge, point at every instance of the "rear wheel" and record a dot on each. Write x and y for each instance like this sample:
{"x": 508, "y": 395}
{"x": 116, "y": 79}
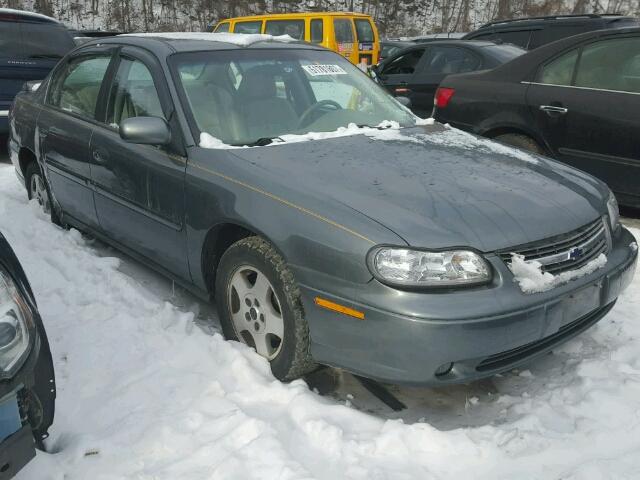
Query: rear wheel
{"x": 259, "y": 304}
{"x": 38, "y": 189}
{"x": 521, "y": 141}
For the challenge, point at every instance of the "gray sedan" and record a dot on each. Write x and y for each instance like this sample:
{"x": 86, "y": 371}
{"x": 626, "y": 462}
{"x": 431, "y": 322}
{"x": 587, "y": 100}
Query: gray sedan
{"x": 330, "y": 225}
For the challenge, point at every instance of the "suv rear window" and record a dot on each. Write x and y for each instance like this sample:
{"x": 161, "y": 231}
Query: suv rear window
{"x": 34, "y": 40}
{"x": 364, "y": 31}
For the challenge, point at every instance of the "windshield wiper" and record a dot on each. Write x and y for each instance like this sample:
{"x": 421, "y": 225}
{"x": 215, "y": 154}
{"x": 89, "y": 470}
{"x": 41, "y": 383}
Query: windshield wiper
{"x": 260, "y": 142}
{"x": 45, "y": 55}
{"x": 378, "y": 127}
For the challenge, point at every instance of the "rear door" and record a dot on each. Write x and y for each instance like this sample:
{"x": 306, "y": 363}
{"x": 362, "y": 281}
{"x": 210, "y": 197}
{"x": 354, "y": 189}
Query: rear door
{"x": 345, "y": 38}
{"x": 140, "y": 188}
{"x": 586, "y": 103}
{"x": 368, "y": 46}
{"x": 65, "y": 126}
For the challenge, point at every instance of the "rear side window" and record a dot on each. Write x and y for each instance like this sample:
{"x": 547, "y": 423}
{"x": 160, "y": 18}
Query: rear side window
{"x": 293, "y": 28}
{"x": 77, "y": 86}
{"x": 343, "y": 29}
{"x": 248, "y": 27}
{"x": 222, "y": 27}
{"x": 447, "y": 60}
{"x": 317, "y": 31}
{"x": 611, "y": 65}
{"x": 560, "y": 70}
{"x": 364, "y": 31}
{"x": 134, "y": 93}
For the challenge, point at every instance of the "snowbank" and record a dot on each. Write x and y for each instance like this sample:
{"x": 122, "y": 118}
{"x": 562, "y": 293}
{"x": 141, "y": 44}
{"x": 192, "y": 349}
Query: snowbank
{"x": 144, "y": 393}
{"x": 532, "y": 279}
{"x": 239, "y": 39}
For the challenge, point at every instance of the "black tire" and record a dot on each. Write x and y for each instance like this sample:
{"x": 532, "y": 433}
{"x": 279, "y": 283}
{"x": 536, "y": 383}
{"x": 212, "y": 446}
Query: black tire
{"x": 293, "y": 359}
{"x": 32, "y": 170}
{"x": 521, "y": 141}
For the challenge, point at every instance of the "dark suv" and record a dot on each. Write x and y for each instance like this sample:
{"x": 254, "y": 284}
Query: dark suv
{"x": 30, "y": 45}
{"x": 534, "y": 32}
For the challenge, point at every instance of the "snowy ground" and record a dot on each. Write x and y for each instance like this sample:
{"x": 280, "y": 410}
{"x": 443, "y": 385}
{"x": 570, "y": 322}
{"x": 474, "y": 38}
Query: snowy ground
{"x": 148, "y": 389}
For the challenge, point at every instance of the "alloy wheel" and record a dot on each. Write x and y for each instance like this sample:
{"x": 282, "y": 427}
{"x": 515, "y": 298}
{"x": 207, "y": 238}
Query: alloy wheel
{"x": 255, "y": 311}
{"x": 38, "y": 190}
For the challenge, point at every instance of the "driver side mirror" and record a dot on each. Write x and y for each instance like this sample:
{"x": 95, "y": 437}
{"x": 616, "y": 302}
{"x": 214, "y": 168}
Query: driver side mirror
{"x": 145, "y": 130}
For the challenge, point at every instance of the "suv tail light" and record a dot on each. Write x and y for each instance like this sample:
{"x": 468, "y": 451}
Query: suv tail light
{"x": 443, "y": 97}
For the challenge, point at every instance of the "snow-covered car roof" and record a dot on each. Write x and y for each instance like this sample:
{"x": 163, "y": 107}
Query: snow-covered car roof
{"x": 239, "y": 39}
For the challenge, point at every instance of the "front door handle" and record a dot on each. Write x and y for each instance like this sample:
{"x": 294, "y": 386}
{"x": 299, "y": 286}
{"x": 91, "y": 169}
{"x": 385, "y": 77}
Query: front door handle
{"x": 99, "y": 157}
{"x": 551, "y": 109}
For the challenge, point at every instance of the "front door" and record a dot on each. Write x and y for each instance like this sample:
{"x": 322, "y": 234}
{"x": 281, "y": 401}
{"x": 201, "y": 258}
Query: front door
{"x": 586, "y": 103}
{"x": 64, "y": 131}
{"x": 140, "y": 188}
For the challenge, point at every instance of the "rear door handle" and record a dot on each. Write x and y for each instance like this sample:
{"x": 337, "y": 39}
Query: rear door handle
{"x": 553, "y": 109}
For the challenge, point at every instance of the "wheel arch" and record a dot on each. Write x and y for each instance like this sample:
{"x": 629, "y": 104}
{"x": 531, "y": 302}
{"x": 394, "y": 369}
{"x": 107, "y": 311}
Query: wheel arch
{"x": 25, "y": 158}
{"x": 496, "y": 131}
{"x": 217, "y": 240}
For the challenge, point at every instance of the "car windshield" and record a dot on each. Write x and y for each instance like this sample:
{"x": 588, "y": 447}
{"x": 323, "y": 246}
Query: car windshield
{"x": 251, "y": 96}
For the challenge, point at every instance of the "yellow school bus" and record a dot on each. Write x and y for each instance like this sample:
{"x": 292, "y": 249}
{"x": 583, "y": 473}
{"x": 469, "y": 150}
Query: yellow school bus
{"x": 352, "y": 35}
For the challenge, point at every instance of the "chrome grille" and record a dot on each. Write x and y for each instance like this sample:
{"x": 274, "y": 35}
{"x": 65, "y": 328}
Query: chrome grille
{"x": 564, "y": 252}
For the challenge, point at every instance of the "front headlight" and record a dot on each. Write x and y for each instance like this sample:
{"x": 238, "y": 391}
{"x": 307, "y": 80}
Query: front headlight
{"x": 614, "y": 212}
{"x": 15, "y": 322}
{"x": 421, "y": 268}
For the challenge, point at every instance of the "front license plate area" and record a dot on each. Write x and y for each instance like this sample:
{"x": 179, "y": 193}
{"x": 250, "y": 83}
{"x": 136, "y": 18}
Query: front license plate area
{"x": 9, "y": 416}
{"x": 581, "y": 303}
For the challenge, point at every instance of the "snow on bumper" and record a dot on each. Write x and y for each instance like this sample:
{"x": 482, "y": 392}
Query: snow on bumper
{"x": 479, "y": 331}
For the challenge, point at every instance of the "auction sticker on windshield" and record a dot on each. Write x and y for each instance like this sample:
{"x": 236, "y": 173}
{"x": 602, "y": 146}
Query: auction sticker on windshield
{"x": 315, "y": 70}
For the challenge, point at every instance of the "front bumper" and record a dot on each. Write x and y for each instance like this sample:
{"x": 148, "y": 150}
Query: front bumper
{"x": 480, "y": 331}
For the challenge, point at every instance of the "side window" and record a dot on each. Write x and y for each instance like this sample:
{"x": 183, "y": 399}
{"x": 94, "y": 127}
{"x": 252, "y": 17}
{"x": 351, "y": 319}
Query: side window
{"x": 560, "y": 70}
{"x": 611, "y": 65}
{"x": 344, "y": 30}
{"x": 133, "y": 93}
{"x": 447, "y": 60}
{"x": 317, "y": 33}
{"x": 404, "y": 64}
{"x": 365, "y": 32}
{"x": 76, "y": 87}
{"x": 222, "y": 27}
{"x": 248, "y": 27}
{"x": 293, "y": 28}
{"x": 520, "y": 38}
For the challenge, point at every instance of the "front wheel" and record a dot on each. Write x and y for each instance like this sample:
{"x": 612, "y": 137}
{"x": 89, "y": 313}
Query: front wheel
{"x": 259, "y": 304}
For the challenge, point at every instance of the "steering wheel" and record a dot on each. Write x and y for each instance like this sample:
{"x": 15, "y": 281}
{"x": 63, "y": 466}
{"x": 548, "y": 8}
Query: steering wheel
{"x": 313, "y": 108}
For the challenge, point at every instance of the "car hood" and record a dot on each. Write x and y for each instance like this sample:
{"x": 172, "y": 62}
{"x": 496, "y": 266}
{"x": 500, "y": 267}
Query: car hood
{"x": 435, "y": 186}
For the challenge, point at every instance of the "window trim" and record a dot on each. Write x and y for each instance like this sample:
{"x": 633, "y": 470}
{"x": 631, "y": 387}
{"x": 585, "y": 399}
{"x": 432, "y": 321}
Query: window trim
{"x": 108, "y": 51}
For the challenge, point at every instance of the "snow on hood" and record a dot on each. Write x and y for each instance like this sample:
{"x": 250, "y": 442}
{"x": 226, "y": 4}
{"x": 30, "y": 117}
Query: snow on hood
{"x": 240, "y": 39}
{"x": 392, "y": 131}
{"x": 532, "y": 279}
